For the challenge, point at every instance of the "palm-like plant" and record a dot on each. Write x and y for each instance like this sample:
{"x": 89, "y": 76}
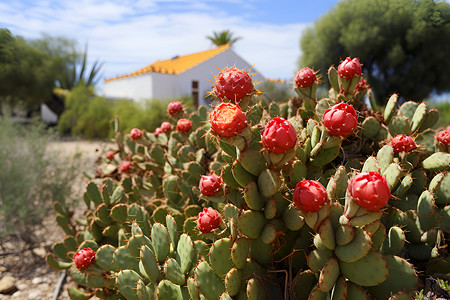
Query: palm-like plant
{"x": 223, "y": 37}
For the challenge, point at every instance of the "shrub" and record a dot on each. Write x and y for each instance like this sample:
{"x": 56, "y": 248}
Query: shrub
{"x": 31, "y": 178}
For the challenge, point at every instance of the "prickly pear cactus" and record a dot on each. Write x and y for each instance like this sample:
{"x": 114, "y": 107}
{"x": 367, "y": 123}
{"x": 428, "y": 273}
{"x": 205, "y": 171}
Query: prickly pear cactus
{"x": 310, "y": 199}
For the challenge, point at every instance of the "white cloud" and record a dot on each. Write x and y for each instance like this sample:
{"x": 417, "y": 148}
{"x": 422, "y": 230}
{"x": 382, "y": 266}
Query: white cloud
{"x": 128, "y": 35}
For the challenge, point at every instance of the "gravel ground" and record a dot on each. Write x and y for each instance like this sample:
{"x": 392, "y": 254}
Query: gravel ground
{"x": 25, "y": 271}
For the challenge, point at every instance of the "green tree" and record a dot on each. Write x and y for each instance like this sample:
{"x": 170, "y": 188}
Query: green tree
{"x": 403, "y": 45}
{"x": 25, "y": 74}
{"x": 223, "y": 37}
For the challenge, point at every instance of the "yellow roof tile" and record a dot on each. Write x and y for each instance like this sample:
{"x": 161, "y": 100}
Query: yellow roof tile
{"x": 176, "y": 65}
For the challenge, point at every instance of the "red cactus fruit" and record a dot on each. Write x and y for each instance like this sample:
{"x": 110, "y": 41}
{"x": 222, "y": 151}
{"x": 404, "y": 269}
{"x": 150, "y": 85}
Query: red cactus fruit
{"x": 369, "y": 190}
{"x": 110, "y": 155}
{"x": 349, "y": 68}
{"x": 184, "y": 125}
{"x": 403, "y": 143}
{"x": 210, "y": 184}
{"x": 305, "y": 77}
{"x": 443, "y": 137}
{"x": 310, "y": 195}
{"x": 174, "y": 108}
{"x": 135, "y": 133}
{"x": 208, "y": 219}
{"x": 158, "y": 131}
{"x": 233, "y": 84}
{"x": 125, "y": 166}
{"x": 84, "y": 258}
{"x": 227, "y": 119}
{"x": 340, "y": 119}
{"x": 361, "y": 85}
{"x": 165, "y": 126}
{"x": 279, "y": 135}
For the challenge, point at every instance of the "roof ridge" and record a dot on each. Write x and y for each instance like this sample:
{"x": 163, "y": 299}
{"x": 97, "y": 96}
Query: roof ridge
{"x": 177, "y": 64}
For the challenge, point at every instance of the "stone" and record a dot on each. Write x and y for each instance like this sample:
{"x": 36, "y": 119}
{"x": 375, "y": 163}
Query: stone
{"x": 7, "y": 285}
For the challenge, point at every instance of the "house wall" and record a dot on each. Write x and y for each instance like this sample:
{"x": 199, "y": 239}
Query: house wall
{"x": 166, "y": 86}
{"x": 135, "y": 88}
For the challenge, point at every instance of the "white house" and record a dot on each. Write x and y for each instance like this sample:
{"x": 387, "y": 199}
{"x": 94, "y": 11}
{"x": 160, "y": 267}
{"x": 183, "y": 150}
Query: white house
{"x": 176, "y": 77}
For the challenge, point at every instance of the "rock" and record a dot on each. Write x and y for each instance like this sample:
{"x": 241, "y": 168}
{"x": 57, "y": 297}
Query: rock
{"x": 37, "y": 280}
{"x": 41, "y": 252}
{"x": 7, "y": 285}
{"x": 2, "y": 269}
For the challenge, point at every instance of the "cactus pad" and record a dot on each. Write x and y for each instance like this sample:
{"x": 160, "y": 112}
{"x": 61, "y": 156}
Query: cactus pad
{"x": 370, "y": 270}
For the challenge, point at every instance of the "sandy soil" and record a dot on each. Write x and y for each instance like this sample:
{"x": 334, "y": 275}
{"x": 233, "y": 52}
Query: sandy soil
{"x": 26, "y": 269}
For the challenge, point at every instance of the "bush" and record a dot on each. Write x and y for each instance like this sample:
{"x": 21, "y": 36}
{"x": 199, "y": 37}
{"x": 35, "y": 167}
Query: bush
{"x": 86, "y": 115}
{"x": 30, "y": 179}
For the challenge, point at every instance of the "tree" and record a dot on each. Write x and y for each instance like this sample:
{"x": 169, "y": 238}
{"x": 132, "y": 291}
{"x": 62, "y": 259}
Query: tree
{"x": 68, "y": 67}
{"x": 403, "y": 45}
{"x": 25, "y": 75}
{"x": 223, "y": 37}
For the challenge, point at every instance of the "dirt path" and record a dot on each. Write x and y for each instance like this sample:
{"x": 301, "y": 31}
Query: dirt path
{"x": 31, "y": 277}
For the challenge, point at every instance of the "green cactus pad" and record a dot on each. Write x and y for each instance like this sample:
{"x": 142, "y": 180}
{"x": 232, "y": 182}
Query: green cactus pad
{"x": 385, "y": 156}
{"x": 241, "y": 176}
{"x": 339, "y": 291}
{"x": 402, "y": 277}
{"x": 136, "y": 242}
{"x": 260, "y": 252}
{"x": 88, "y": 244}
{"x": 303, "y": 284}
{"x": 269, "y": 182}
{"x": 436, "y": 182}
{"x": 160, "y": 241}
{"x": 60, "y": 251}
{"x": 356, "y": 249}
{"x": 389, "y": 111}
{"x": 404, "y": 186}
{"x": 251, "y": 223}
{"x": 56, "y": 264}
{"x": 150, "y": 264}
{"x": 408, "y": 109}
{"x": 119, "y": 213}
{"x": 293, "y": 219}
{"x": 356, "y": 292}
{"x": 233, "y": 281}
{"x": 366, "y": 218}
{"x": 317, "y": 294}
{"x": 144, "y": 292}
{"x": 252, "y": 161}
{"x": 326, "y": 233}
{"x": 428, "y": 218}
{"x": 173, "y": 272}
{"x": 225, "y": 296}
{"x": 370, "y": 127}
{"x": 328, "y": 275}
{"x": 93, "y": 193}
{"x": 219, "y": 256}
{"x": 124, "y": 260}
{"x": 239, "y": 252}
{"x": 253, "y": 197}
{"x": 393, "y": 174}
{"x": 430, "y": 119}
{"x": 85, "y": 279}
{"x": 442, "y": 193}
{"x": 169, "y": 290}
{"x": 418, "y": 117}
{"x": 254, "y": 114}
{"x": 371, "y": 165}
{"x": 344, "y": 234}
{"x": 270, "y": 209}
{"x": 193, "y": 288}
{"x": 438, "y": 161}
{"x": 209, "y": 283}
{"x": 394, "y": 241}
{"x": 126, "y": 283}
{"x": 337, "y": 185}
{"x": 445, "y": 219}
{"x": 370, "y": 270}
{"x": 325, "y": 156}
{"x": 76, "y": 294}
{"x": 254, "y": 290}
{"x": 105, "y": 258}
{"x": 317, "y": 259}
{"x": 185, "y": 253}
{"x": 173, "y": 230}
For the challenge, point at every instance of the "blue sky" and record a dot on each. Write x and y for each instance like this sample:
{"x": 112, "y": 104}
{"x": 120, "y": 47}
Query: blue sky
{"x": 127, "y": 35}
